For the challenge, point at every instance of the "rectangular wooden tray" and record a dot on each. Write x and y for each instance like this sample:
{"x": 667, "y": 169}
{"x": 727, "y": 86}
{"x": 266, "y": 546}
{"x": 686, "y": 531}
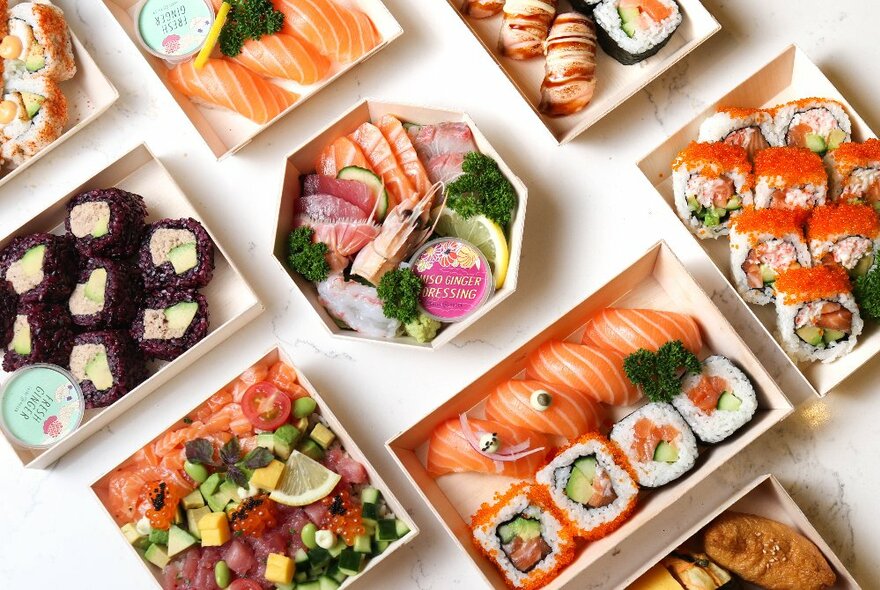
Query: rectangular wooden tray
{"x": 232, "y": 302}
{"x": 790, "y": 75}
{"x": 656, "y": 280}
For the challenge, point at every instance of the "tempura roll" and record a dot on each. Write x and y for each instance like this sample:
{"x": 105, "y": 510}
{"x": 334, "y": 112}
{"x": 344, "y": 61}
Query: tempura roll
{"x": 41, "y": 333}
{"x": 37, "y": 42}
{"x": 40, "y": 267}
{"x": 170, "y": 323}
{"x": 818, "y": 124}
{"x": 789, "y": 178}
{"x": 107, "y": 294}
{"x": 106, "y": 222}
{"x": 177, "y": 254}
{"x": 107, "y": 365}
{"x": 846, "y": 235}
{"x": 33, "y": 114}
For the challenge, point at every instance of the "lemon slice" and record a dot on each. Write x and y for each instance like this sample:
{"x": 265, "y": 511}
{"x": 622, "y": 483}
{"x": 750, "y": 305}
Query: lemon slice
{"x": 304, "y": 481}
{"x": 483, "y": 233}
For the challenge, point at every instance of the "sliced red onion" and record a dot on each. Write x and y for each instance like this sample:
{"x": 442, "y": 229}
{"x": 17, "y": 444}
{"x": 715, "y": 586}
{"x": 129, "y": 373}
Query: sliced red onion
{"x": 514, "y": 453}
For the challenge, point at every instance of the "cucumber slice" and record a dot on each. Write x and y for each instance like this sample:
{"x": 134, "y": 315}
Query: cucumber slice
{"x": 372, "y": 180}
{"x": 728, "y": 402}
{"x": 812, "y": 335}
{"x": 768, "y": 275}
{"x": 816, "y": 143}
{"x": 665, "y": 453}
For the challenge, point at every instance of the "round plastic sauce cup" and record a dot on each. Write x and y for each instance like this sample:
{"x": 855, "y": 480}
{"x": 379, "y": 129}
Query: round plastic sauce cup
{"x": 174, "y": 30}
{"x": 39, "y": 405}
{"x": 456, "y": 279}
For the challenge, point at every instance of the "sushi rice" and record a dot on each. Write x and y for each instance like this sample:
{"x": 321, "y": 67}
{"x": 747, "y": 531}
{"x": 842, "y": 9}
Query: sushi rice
{"x": 646, "y": 40}
{"x": 737, "y": 126}
{"x": 854, "y": 173}
{"x": 815, "y": 123}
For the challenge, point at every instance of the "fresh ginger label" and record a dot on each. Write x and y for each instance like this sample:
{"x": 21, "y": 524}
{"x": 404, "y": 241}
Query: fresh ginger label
{"x": 41, "y": 405}
{"x": 456, "y": 279}
{"x": 175, "y": 27}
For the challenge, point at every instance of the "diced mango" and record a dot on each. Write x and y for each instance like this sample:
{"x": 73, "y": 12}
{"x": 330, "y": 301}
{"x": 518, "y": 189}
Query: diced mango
{"x": 267, "y": 477}
{"x": 280, "y": 568}
{"x": 214, "y": 529}
{"x": 215, "y": 538}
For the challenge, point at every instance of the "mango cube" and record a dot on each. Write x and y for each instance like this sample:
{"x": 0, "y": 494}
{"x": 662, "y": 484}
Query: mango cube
{"x": 214, "y": 528}
{"x": 280, "y": 568}
{"x": 268, "y": 477}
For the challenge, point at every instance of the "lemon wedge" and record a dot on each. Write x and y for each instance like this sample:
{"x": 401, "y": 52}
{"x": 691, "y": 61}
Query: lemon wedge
{"x": 483, "y": 233}
{"x": 304, "y": 481}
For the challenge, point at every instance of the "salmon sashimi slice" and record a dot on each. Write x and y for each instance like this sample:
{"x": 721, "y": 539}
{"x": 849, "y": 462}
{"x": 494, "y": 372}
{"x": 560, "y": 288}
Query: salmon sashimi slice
{"x": 835, "y": 317}
{"x": 381, "y": 158}
{"x": 749, "y": 138}
{"x": 596, "y": 372}
{"x": 482, "y": 8}
{"x": 121, "y": 490}
{"x": 228, "y": 85}
{"x": 283, "y": 56}
{"x": 655, "y": 9}
{"x": 647, "y": 435}
{"x": 450, "y": 452}
{"x": 341, "y": 33}
{"x": 706, "y": 393}
{"x": 526, "y": 554}
{"x": 570, "y": 413}
{"x": 338, "y": 155}
{"x": 405, "y": 153}
{"x": 628, "y": 330}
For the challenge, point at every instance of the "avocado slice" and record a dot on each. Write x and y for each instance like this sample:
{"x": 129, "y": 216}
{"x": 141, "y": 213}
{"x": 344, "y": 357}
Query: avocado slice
{"x": 32, "y": 103}
{"x": 734, "y": 203}
{"x": 101, "y": 228}
{"x": 158, "y": 556}
{"x": 210, "y": 485}
{"x": 524, "y": 528}
{"x": 32, "y": 260}
{"x": 812, "y": 335}
{"x": 768, "y": 275}
{"x": 178, "y": 540}
{"x": 862, "y": 266}
{"x": 628, "y": 18}
{"x": 98, "y": 372}
{"x": 36, "y": 58}
{"x": 183, "y": 257}
{"x": 728, "y": 402}
{"x": 181, "y": 315}
{"x": 579, "y": 487}
{"x": 665, "y": 453}
{"x": 587, "y": 466}
{"x": 96, "y": 285}
{"x": 835, "y": 138}
{"x": 831, "y": 336}
{"x": 193, "y": 500}
{"x": 816, "y": 143}
{"x": 21, "y": 339}
{"x": 693, "y": 204}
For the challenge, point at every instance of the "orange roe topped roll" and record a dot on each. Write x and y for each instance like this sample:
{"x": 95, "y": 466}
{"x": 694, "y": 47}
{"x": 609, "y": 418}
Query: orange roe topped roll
{"x": 716, "y": 159}
{"x": 787, "y": 166}
{"x": 740, "y": 112}
{"x": 854, "y": 155}
{"x": 841, "y": 219}
{"x": 800, "y": 285}
{"x": 809, "y": 102}
{"x": 776, "y": 222}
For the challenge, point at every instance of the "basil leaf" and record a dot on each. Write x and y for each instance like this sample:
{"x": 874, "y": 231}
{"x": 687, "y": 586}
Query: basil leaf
{"x": 259, "y": 457}
{"x": 230, "y": 453}
{"x": 237, "y": 476}
{"x": 200, "y": 451}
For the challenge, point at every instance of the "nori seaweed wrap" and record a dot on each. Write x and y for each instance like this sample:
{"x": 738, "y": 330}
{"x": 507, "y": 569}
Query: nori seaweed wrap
{"x": 107, "y": 365}
{"x": 584, "y": 6}
{"x": 631, "y": 35}
{"x": 107, "y": 294}
{"x": 42, "y": 333}
{"x": 8, "y": 303}
{"x": 40, "y": 267}
{"x": 170, "y": 323}
{"x": 108, "y": 222}
{"x": 176, "y": 254}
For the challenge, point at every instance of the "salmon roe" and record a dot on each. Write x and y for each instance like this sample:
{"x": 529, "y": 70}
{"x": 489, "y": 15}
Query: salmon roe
{"x": 856, "y": 155}
{"x": 799, "y": 285}
{"x": 860, "y": 220}
{"x": 742, "y": 112}
{"x": 254, "y": 516}
{"x": 716, "y": 158}
{"x": 795, "y": 165}
{"x": 343, "y": 516}
{"x": 162, "y": 504}
{"x": 776, "y": 222}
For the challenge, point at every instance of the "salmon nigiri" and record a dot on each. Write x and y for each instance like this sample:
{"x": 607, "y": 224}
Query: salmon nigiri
{"x": 556, "y": 409}
{"x": 596, "y": 372}
{"x": 341, "y": 153}
{"x": 341, "y": 33}
{"x": 628, "y": 330}
{"x": 381, "y": 158}
{"x": 450, "y": 452}
{"x": 226, "y": 84}
{"x": 283, "y": 56}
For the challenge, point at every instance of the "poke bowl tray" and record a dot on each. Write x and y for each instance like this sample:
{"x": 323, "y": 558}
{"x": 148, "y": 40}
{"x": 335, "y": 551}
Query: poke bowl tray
{"x": 226, "y": 132}
{"x": 790, "y": 75}
{"x": 656, "y": 280}
{"x": 615, "y": 82}
{"x": 301, "y": 161}
{"x": 89, "y": 94}
{"x": 766, "y": 497}
{"x": 232, "y": 302}
{"x": 226, "y": 376}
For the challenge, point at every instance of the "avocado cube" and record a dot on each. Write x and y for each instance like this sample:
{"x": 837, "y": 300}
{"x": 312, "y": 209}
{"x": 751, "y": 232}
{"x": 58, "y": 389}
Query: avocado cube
{"x": 21, "y": 338}
{"x": 210, "y": 485}
{"x": 304, "y": 407}
{"x": 267, "y": 441}
{"x": 193, "y": 500}
{"x": 311, "y": 449}
{"x": 217, "y": 501}
{"x": 179, "y": 540}
{"x": 180, "y": 315}
{"x": 96, "y": 285}
{"x": 193, "y": 516}
{"x": 322, "y": 435}
{"x": 183, "y": 257}
{"x": 351, "y": 562}
{"x": 99, "y": 373}
{"x": 156, "y": 555}
{"x": 131, "y": 533}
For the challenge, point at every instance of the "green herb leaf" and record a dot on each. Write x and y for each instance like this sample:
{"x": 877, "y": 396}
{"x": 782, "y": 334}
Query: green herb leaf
{"x": 867, "y": 293}
{"x": 659, "y": 373}
{"x": 230, "y": 453}
{"x": 237, "y": 476}
{"x": 305, "y": 257}
{"x": 482, "y": 190}
{"x": 248, "y": 19}
{"x": 200, "y": 451}
{"x": 259, "y": 457}
{"x": 399, "y": 291}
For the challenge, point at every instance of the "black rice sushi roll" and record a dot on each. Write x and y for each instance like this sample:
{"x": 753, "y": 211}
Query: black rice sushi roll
{"x": 631, "y": 31}
{"x": 106, "y": 222}
{"x": 107, "y": 365}
{"x": 40, "y": 267}
{"x": 41, "y": 333}
{"x": 176, "y": 254}
{"x": 170, "y": 323}
{"x": 8, "y": 303}
{"x": 107, "y": 294}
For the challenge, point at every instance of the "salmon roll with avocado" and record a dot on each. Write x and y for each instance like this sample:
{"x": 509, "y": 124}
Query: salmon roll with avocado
{"x": 107, "y": 294}
{"x": 631, "y": 31}
{"x": 816, "y": 313}
{"x": 658, "y": 442}
{"x": 789, "y": 178}
{"x": 107, "y": 223}
{"x": 523, "y": 534}
{"x": 8, "y": 303}
{"x": 818, "y": 124}
{"x": 37, "y": 42}
{"x": 845, "y": 235}
{"x": 107, "y": 365}
{"x": 41, "y": 333}
{"x": 750, "y": 129}
{"x": 170, "y": 323}
{"x": 593, "y": 485}
{"x": 854, "y": 173}
{"x": 176, "y": 254}
{"x": 40, "y": 267}
{"x": 34, "y": 115}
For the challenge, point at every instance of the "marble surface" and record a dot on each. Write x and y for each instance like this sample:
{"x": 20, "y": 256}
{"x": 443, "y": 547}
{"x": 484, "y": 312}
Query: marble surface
{"x": 584, "y": 198}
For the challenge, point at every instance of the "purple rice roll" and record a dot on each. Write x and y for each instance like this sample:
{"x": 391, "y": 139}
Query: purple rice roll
{"x": 8, "y": 303}
{"x": 41, "y": 333}
{"x": 170, "y": 323}
{"x": 107, "y": 294}
{"x": 107, "y": 365}
{"x": 176, "y": 254}
{"x": 40, "y": 267}
{"x": 107, "y": 223}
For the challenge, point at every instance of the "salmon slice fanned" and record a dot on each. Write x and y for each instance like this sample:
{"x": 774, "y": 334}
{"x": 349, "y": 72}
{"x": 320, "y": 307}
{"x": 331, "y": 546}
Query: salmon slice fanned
{"x": 338, "y": 155}
{"x": 525, "y": 27}
{"x": 482, "y": 8}
{"x": 381, "y": 158}
{"x": 228, "y": 85}
{"x": 570, "y": 69}
{"x": 283, "y": 56}
{"x": 405, "y": 153}
{"x": 628, "y": 330}
{"x": 341, "y": 33}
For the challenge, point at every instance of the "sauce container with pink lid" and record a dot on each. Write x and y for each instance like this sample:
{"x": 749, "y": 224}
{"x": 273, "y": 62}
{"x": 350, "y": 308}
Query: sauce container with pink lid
{"x": 456, "y": 279}
{"x": 174, "y": 30}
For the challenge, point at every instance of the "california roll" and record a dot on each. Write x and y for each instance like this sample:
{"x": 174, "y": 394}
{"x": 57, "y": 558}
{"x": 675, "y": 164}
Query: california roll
{"x": 631, "y": 31}
{"x": 107, "y": 222}
{"x": 40, "y": 267}
{"x": 107, "y": 294}
{"x": 170, "y": 323}
{"x": 854, "y": 173}
{"x": 750, "y": 129}
{"x": 845, "y": 235}
{"x": 789, "y": 178}
{"x": 39, "y": 32}
{"x": 39, "y": 114}
{"x": 41, "y": 333}
{"x": 819, "y": 124}
{"x": 177, "y": 254}
{"x": 107, "y": 365}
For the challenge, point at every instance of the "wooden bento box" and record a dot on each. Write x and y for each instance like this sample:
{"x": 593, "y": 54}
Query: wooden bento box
{"x": 232, "y": 302}
{"x": 616, "y": 82}
{"x": 789, "y": 76}
{"x": 766, "y": 497}
{"x": 226, "y": 132}
{"x": 225, "y": 378}
{"x": 657, "y": 280}
{"x": 302, "y": 161}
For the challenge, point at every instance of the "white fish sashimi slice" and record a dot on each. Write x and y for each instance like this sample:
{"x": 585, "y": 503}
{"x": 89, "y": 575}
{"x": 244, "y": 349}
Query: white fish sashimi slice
{"x": 443, "y": 138}
{"x": 357, "y": 305}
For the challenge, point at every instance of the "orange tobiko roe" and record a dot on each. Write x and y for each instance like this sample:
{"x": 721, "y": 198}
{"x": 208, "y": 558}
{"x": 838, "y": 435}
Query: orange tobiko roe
{"x": 800, "y": 285}
{"x": 741, "y": 112}
{"x": 794, "y": 165}
{"x": 776, "y": 222}
{"x": 856, "y": 155}
{"x": 716, "y": 158}
{"x": 857, "y": 220}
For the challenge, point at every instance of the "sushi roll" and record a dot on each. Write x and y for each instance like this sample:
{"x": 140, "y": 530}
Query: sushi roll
{"x": 107, "y": 365}
{"x": 524, "y": 28}
{"x": 33, "y": 115}
{"x": 764, "y": 243}
{"x": 845, "y": 235}
{"x": 593, "y": 485}
{"x": 854, "y": 173}
{"x": 658, "y": 442}
{"x": 585, "y": 6}
{"x": 38, "y": 43}
{"x": 481, "y": 8}
{"x": 523, "y": 534}
{"x": 718, "y": 401}
{"x": 819, "y": 124}
{"x": 631, "y": 31}
{"x": 8, "y": 304}
{"x": 710, "y": 182}
{"x": 176, "y": 254}
{"x": 816, "y": 313}
{"x": 789, "y": 178}
{"x": 107, "y": 294}
{"x": 41, "y": 333}
{"x": 40, "y": 267}
{"x": 170, "y": 323}
{"x": 750, "y": 129}
{"x": 570, "y": 67}
{"x": 107, "y": 223}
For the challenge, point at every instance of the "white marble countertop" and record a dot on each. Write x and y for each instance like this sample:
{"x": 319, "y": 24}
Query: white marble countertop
{"x": 584, "y": 197}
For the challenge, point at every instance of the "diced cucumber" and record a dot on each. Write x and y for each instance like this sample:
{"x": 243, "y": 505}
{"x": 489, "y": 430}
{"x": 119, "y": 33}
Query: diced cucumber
{"x": 728, "y": 402}
{"x": 333, "y": 572}
{"x": 328, "y": 583}
{"x": 300, "y": 576}
{"x": 768, "y": 275}
{"x": 318, "y": 557}
{"x": 816, "y": 143}
{"x": 665, "y": 453}
{"x": 386, "y": 530}
{"x": 300, "y": 557}
{"x": 373, "y": 181}
{"x": 381, "y": 546}
{"x": 351, "y": 562}
{"x": 337, "y": 548}
{"x": 291, "y": 586}
{"x": 370, "y": 511}
{"x": 369, "y": 495}
{"x": 402, "y": 528}
{"x": 316, "y": 585}
{"x": 363, "y": 544}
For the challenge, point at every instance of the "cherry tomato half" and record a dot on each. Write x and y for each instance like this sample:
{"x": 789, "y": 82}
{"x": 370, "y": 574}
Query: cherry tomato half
{"x": 266, "y": 406}
{"x": 244, "y": 584}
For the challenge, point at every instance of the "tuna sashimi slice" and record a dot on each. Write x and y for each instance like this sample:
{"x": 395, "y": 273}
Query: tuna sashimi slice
{"x": 443, "y": 138}
{"x": 327, "y": 208}
{"x": 352, "y": 191}
{"x": 445, "y": 168}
